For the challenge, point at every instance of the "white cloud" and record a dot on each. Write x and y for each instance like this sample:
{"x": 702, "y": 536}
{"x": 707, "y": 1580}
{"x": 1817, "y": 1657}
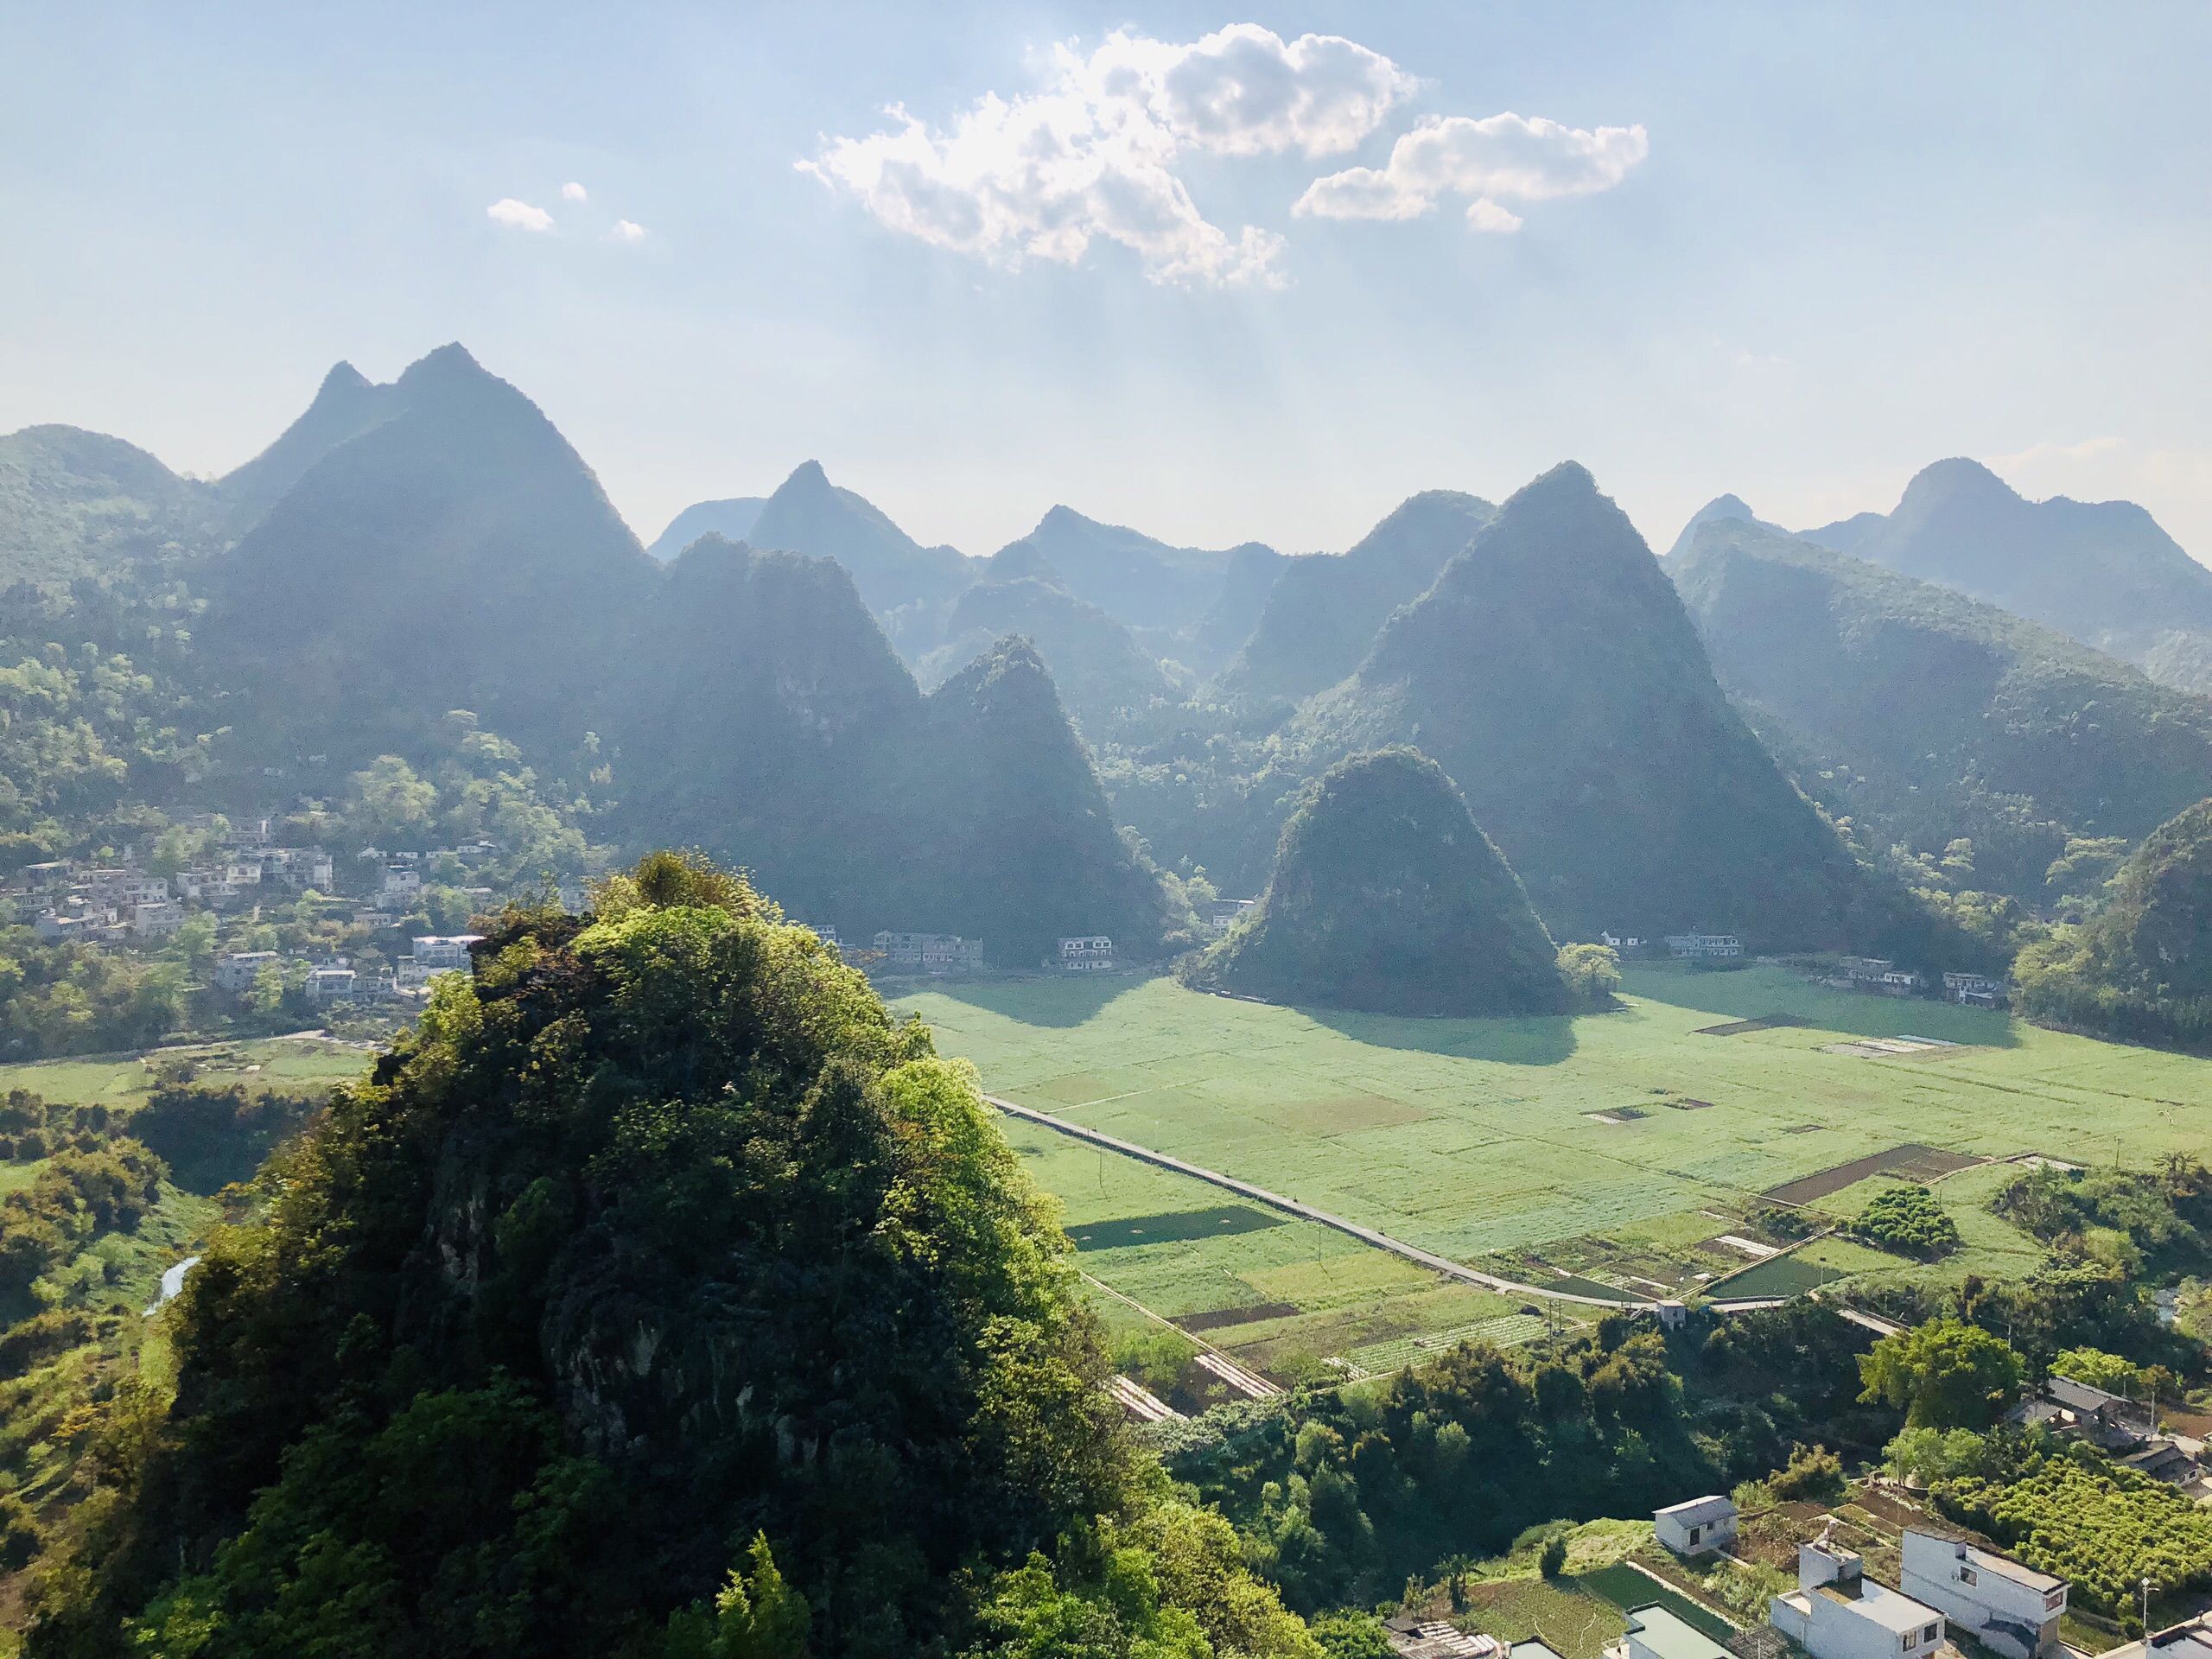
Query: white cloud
{"x": 1041, "y": 175}
{"x": 1501, "y": 156}
{"x": 626, "y": 231}
{"x": 520, "y": 214}
{"x": 574, "y": 192}
{"x": 1484, "y": 214}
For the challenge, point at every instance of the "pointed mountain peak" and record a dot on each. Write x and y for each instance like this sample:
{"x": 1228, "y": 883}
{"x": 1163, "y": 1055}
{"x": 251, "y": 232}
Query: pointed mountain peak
{"x": 1569, "y": 480}
{"x": 807, "y": 478}
{"x": 343, "y": 380}
{"x": 1021, "y": 560}
{"x": 1060, "y": 516}
{"x": 1712, "y": 512}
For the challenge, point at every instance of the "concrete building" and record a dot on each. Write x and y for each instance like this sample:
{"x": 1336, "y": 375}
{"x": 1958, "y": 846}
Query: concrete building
{"x": 47, "y": 878}
{"x": 235, "y": 970}
{"x": 1704, "y": 947}
{"x": 1977, "y": 990}
{"x": 438, "y": 953}
{"x": 1698, "y": 1528}
{"x": 2012, "y": 1609}
{"x": 329, "y": 985}
{"x": 2112, "y": 1422}
{"x": 1088, "y": 953}
{"x": 1654, "y": 1633}
{"x": 401, "y": 880}
{"x": 1224, "y": 911}
{"x": 930, "y": 953}
{"x": 1836, "y": 1612}
{"x": 156, "y": 920}
{"x": 53, "y": 929}
{"x": 124, "y": 887}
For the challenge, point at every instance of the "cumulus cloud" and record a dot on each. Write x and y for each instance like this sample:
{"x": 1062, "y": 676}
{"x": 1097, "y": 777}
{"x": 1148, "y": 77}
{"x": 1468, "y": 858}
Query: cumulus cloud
{"x": 626, "y": 231}
{"x": 520, "y": 214}
{"x": 1041, "y": 175}
{"x": 574, "y": 192}
{"x": 1506, "y": 156}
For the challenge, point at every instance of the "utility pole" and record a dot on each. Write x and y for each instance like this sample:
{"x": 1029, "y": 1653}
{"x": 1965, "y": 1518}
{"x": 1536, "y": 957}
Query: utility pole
{"x": 2146, "y": 1609}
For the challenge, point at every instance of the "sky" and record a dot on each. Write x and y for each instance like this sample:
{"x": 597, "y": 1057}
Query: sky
{"x": 1219, "y": 272}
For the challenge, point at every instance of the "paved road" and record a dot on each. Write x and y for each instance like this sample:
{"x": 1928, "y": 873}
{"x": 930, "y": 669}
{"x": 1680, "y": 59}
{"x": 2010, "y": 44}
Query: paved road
{"x": 1291, "y": 1206}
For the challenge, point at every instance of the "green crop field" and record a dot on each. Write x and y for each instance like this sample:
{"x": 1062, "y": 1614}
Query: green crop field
{"x": 301, "y": 1065}
{"x": 1468, "y": 1137}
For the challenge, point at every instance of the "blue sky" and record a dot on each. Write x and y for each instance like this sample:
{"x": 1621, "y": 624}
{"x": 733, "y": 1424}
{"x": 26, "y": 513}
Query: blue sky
{"x": 1847, "y": 241}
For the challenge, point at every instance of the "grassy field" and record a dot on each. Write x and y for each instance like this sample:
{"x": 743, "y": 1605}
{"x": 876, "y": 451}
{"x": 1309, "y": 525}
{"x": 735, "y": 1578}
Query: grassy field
{"x": 1468, "y": 1137}
{"x": 294, "y": 1066}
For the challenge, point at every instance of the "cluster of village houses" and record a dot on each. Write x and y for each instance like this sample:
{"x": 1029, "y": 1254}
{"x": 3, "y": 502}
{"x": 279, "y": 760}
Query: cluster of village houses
{"x": 125, "y": 904}
{"x": 1946, "y": 1585}
{"x": 947, "y": 954}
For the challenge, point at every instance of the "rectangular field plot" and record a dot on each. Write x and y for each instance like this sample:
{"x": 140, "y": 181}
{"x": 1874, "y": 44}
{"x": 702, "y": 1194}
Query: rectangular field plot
{"x": 1220, "y": 1221}
{"x": 1503, "y": 1331}
{"x": 1471, "y": 1136}
{"x": 1785, "y": 1275}
{"x": 1911, "y": 1162}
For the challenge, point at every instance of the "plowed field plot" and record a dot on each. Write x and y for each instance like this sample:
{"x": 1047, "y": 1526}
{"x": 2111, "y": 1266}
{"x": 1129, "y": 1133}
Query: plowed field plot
{"x": 1912, "y": 1161}
{"x": 1470, "y": 1136}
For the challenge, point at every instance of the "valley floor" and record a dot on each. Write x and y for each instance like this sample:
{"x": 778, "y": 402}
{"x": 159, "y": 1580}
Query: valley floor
{"x": 1631, "y": 1149}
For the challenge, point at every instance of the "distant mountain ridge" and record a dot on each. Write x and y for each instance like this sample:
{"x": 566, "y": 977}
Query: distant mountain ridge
{"x": 2103, "y": 572}
{"x": 1323, "y": 610}
{"x": 733, "y": 518}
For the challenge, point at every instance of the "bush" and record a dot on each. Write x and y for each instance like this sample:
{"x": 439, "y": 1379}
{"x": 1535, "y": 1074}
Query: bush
{"x": 1553, "y": 1561}
{"x": 1907, "y": 1219}
{"x": 1815, "y": 1475}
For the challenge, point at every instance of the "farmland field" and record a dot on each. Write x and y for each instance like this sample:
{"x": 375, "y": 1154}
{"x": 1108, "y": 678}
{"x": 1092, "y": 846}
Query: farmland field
{"x": 1468, "y": 1137}
{"x": 302, "y": 1065}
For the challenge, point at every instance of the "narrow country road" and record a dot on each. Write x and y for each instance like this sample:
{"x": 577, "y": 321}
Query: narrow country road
{"x": 1291, "y": 1207}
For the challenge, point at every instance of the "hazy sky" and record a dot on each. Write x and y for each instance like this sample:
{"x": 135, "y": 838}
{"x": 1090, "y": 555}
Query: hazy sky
{"x": 1216, "y": 285}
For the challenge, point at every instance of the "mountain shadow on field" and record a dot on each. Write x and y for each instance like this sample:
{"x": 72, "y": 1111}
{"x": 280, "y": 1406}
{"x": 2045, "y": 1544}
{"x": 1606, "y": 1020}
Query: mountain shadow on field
{"x": 1387, "y": 898}
{"x": 1058, "y": 1005}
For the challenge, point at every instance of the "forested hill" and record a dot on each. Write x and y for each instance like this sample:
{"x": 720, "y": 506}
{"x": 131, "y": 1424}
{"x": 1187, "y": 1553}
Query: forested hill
{"x": 2103, "y": 572}
{"x": 1387, "y": 898}
{"x": 1322, "y": 611}
{"x": 78, "y": 506}
{"x": 1552, "y": 670}
{"x": 457, "y": 554}
{"x": 658, "y": 1246}
{"x": 766, "y": 718}
{"x": 1929, "y": 717}
{"x": 909, "y": 587}
{"x": 1140, "y": 581}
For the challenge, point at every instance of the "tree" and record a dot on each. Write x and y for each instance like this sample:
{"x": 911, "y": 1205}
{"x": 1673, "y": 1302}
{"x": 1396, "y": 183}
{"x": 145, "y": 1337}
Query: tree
{"x": 1593, "y": 972}
{"x": 1943, "y": 1375}
{"x": 1553, "y": 1561}
{"x": 757, "y": 1616}
{"x": 1814, "y": 1473}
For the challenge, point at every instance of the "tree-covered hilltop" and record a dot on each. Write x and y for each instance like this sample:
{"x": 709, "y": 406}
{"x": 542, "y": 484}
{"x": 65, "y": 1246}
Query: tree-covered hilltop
{"x": 659, "y": 1244}
{"x": 1387, "y": 897}
{"x": 1928, "y": 718}
{"x": 2140, "y": 969}
{"x": 2102, "y": 572}
{"x": 1140, "y": 581}
{"x": 1552, "y": 670}
{"x": 1322, "y": 613}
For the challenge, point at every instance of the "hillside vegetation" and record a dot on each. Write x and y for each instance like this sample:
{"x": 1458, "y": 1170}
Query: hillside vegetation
{"x": 1387, "y": 897}
{"x": 660, "y": 1238}
{"x": 1927, "y": 717}
{"x": 2101, "y": 571}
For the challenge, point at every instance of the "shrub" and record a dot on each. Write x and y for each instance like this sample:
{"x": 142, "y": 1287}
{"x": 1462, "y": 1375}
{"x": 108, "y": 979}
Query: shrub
{"x": 1815, "y": 1475}
{"x": 1907, "y": 1219}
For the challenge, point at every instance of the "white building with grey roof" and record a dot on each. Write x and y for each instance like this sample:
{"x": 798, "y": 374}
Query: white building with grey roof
{"x": 2010, "y": 1608}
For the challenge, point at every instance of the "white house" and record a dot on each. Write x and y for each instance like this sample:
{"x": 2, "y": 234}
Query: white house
{"x": 329, "y": 985}
{"x": 1225, "y": 912}
{"x": 157, "y": 920}
{"x": 401, "y": 880}
{"x": 1698, "y": 1528}
{"x": 1704, "y": 946}
{"x": 438, "y": 953}
{"x": 1654, "y": 1633}
{"x": 2008, "y": 1607}
{"x": 1836, "y": 1612}
{"x": 235, "y": 970}
{"x": 1087, "y": 953}
{"x": 931, "y": 953}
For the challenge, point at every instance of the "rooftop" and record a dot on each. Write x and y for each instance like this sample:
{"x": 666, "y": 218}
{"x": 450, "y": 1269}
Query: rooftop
{"x": 1888, "y": 1608}
{"x": 2003, "y": 1567}
{"x": 1670, "y": 1636}
{"x": 1697, "y": 1509}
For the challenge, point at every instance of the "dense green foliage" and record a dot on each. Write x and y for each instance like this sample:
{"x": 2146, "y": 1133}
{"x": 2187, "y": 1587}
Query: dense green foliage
{"x": 2140, "y": 969}
{"x": 1945, "y": 1374}
{"x": 657, "y": 1234}
{"x": 2161, "y": 1218}
{"x": 1927, "y": 718}
{"x": 212, "y": 1137}
{"x": 2066, "y": 1511}
{"x": 2102, "y": 572}
{"x": 1906, "y": 1219}
{"x": 1387, "y": 897}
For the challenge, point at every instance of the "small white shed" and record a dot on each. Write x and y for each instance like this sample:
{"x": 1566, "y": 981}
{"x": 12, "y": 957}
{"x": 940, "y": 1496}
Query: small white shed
{"x": 1697, "y": 1528}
